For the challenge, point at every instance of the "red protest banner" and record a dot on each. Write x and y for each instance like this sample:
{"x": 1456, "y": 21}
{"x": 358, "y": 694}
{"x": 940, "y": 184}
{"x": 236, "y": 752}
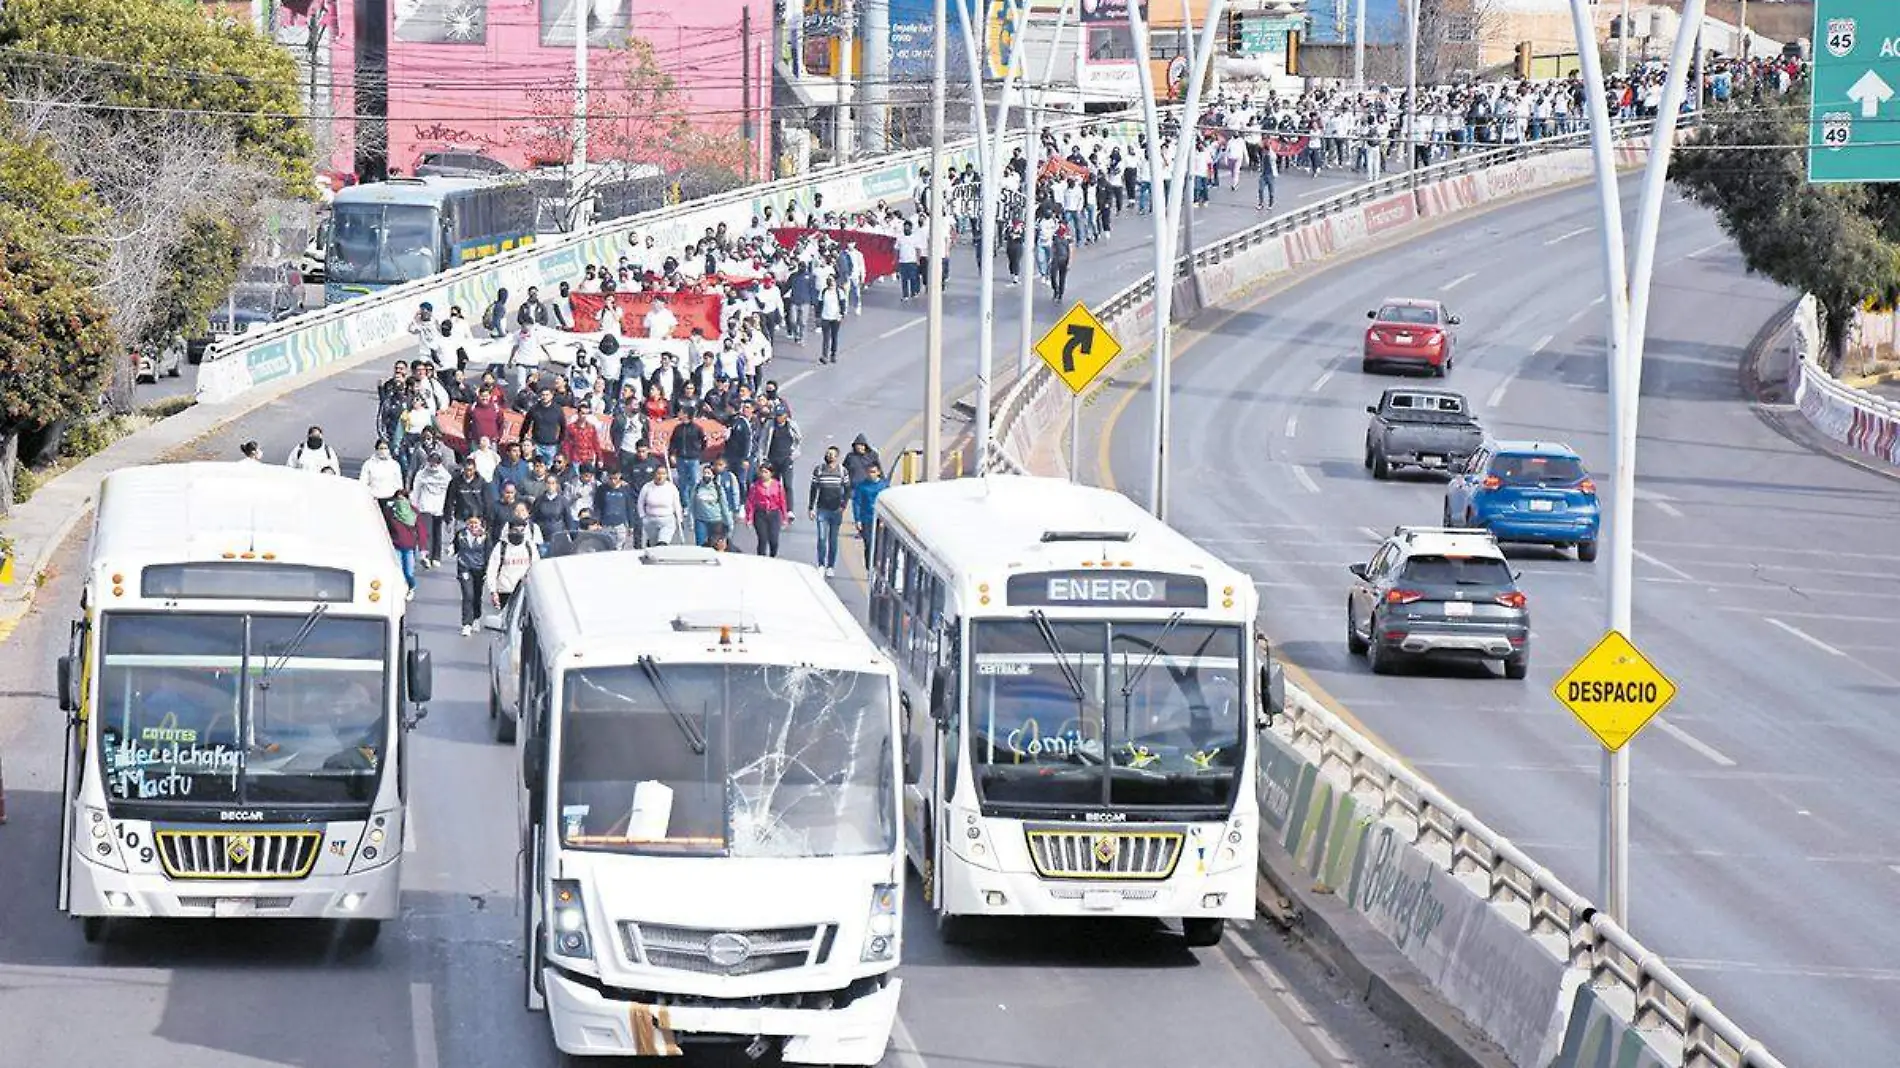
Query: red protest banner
{"x": 880, "y": 250}
{"x": 660, "y": 435}
{"x": 691, "y": 307}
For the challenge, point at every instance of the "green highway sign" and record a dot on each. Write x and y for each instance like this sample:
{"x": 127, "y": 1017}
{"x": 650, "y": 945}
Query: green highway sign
{"x": 1854, "y": 117}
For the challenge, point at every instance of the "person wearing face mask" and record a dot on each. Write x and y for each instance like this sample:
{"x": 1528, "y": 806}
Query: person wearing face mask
{"x": 471, "y": 566}
{"x": 508, "y": 564}
{"x": 381, "y": 473}
{"x": 429, "y": 492}
{"x": 313, "y": 455}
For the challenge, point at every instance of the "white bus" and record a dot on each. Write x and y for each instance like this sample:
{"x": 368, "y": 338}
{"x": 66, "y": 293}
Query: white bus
{"x": 234, "y": 704}
{"x": 1077, "y": 719}
{"x": 708, "y": 808}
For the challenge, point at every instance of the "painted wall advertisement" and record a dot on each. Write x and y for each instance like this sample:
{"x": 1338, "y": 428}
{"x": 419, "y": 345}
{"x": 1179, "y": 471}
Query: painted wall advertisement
{"x": 912, "y": 40}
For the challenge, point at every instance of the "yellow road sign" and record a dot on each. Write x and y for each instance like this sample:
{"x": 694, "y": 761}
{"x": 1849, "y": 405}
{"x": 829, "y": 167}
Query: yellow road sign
{"x": 1614, "y": 690}
{"x": 1078, "y": 348}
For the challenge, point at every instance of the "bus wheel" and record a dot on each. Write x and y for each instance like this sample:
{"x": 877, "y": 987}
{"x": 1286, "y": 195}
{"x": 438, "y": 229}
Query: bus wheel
{"x": 359, "y": 935}
{"x": 1201, "y": 931}
{"x": 92, "y": 929}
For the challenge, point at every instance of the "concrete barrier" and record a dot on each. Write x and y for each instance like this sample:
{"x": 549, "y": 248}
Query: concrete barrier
{"x": 364, "y": 327}
{"x": 1864, "y": 422}
{"x": 1600, "y": 1036}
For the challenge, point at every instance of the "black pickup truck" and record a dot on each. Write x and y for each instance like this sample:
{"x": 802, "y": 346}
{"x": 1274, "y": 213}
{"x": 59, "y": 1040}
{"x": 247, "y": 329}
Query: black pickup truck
{"x": 1425, "y": 428}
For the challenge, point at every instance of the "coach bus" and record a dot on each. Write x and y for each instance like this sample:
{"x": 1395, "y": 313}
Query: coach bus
{"x": 387, "y": 233}
{"x": 235, "y": 690}
{"x": 709, "y": 808}
{"x": 1078, "y": 722}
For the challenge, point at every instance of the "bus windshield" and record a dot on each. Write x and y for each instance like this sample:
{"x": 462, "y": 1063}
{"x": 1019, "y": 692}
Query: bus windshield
{"x": 233, "y": 709}
{"x": 727, "y": 760}
{"x": 382, "y": 244}
{"x": 1144, "y": 715}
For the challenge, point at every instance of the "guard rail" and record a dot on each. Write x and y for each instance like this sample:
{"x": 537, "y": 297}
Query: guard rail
{"x": 1516, "y": 885}
{"x": 1863, "y": 421}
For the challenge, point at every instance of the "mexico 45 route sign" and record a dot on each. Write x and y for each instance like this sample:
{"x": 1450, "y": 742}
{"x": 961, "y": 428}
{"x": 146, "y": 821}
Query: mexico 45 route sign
{"x": 1614, "y": 690}
{"x": 1078, "y": 348}
{"x": 1854, "y": 116}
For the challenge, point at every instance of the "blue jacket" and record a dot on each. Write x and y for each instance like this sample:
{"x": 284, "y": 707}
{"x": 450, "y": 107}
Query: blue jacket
{"x": 864, "y": 499}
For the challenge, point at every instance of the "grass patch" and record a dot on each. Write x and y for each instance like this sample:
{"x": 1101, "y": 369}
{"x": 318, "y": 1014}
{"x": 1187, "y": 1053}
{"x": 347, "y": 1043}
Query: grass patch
{"x": 170, "y": 406}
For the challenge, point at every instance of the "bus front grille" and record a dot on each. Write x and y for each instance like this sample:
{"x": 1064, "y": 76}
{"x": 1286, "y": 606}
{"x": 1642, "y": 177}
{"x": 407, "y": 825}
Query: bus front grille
{"x": 715, "y": 951}
{"x": 1069, "y": 853}
{"x": 238, "y": 854}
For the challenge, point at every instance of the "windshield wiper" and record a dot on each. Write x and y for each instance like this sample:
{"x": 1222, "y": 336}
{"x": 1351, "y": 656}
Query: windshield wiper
{"x": 296, "y": 643}
{"x": 695, "y": 738}
{"x": 1062, "y": 658}
{"x": 1130, "y": 679}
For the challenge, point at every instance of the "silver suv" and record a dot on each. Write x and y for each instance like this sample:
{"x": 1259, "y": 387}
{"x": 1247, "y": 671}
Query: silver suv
{"x": 1438, "y": 592}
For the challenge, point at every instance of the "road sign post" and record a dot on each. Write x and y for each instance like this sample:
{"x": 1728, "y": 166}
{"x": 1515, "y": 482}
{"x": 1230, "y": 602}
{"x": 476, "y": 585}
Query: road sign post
{"x": 1078, "y": 349}
{"x": 1854, "y": 113}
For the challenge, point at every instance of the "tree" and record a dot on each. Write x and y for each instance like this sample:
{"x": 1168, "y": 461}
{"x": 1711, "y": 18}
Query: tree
{"x": 1839, "y": 242}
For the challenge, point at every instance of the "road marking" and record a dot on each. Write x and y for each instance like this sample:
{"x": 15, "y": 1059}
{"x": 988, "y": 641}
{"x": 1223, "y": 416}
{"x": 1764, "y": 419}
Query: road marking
{"x": 1804, "y": 636}
{"x": 1697, "y": 744}
{"x": 1321, "y": 384}
{"x": 1305, "y": 479}
{"x": 1292, "y": 425}
{"x": 1284, "y": 993}
{"x": 1671, "y": 568}
{"x": 1565, "y": 237}
{"x": 905, "y": 1046}
{"x": 1578, "y": 314}
{"x": 1705, "y": 249}
{"x": 896, "y": 330}
{"x": 1371, "y": 533}
{"x": 786, "y": 386}
{"x": 1661, "y": 502}
{"x": 1597, "y": 301}
{"x": 1458, "y": 281}
{"x": 1497, "y": 395}
{"x": 422, "y": 1024}
{"x": 1543, "y": 343}
{"x": 1824, "y": 971}
{"x": 1894, "y": 868}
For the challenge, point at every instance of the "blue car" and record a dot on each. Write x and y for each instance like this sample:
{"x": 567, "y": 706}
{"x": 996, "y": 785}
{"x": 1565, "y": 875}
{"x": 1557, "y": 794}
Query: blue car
{"x": 1527, "y": 491}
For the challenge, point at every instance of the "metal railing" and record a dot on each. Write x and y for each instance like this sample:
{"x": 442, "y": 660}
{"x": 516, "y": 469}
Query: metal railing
{"x": 1514, "y": 883}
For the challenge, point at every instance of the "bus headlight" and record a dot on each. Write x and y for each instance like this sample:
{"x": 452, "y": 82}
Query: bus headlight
{"x": 96, "y": 842}
{"x": 381, "y": 841}
{"x": 568, "y": 916}
{"x": 969, "y": 839}
{"x": 1232, "y": 846}
{"x": 880, "y": 934}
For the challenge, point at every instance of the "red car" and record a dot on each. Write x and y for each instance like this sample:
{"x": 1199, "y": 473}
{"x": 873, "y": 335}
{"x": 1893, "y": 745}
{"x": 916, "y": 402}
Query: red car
{"x": 1410, "y": 333}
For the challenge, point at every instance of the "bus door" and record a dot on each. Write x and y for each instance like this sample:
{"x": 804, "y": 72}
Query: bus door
{"x": 944, "y": 742}
{"x": 72, "y": 695}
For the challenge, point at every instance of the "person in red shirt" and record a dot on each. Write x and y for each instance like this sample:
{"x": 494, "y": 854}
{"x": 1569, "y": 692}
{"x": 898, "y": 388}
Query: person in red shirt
{"x": 765, "y": 510}
{"x": 484, "y": 417}
{"x": 581, "y": 444}
{"x": 657, "y": 407}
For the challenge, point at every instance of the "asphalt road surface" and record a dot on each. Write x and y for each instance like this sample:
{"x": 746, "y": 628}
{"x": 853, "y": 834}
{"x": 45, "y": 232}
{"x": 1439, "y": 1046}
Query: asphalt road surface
{"x": 442, "y": 986}
{"x": 1765, "y": 858}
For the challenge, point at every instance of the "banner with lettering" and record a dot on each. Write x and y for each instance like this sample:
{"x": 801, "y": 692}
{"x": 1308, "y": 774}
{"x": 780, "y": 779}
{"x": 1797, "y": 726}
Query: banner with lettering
{"x": 660, "y": 435}
{"x": 880, "y": 250}
{"x": 690, "y": 307}
{"x": 1063, "y": 169}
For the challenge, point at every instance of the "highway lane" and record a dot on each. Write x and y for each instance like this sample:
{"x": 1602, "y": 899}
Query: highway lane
{"x": 442, "y": 987}
{"x": 1764, "y": 857}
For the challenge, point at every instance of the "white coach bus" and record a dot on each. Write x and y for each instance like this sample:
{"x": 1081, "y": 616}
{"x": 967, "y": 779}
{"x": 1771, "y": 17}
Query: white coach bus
{"x": 1077, "y": 719}
{"x": 234, "y": 702}
{"x": 708, "y": 808}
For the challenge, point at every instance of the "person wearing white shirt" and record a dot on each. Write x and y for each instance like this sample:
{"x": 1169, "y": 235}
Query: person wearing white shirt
{"x": 381, "y": 474}
{"x": 660, "y": 320}
{"x": 660, "y": 509}
{"x": 859, "y": 277}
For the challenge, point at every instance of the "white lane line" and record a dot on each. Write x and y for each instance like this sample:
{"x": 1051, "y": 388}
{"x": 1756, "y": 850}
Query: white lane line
{"x": 422, "y": 1023}
{"x": 1292, "y": 425}
{"x": 1597, "y": 301}
{"x": 1277, "y": 984}
{"x": 1697, "y": 744}
{"x": 1894, "y": 868}
{"x": 1661, "y": 502}
{"x": 1458, "y": 281}
{"x": 1804, "y": 636}
{"x": 797, "y": 378}
{"x": 1311, "y": 193}
{"x": 1542, "y": 343}
{"x": 1671, "y": 568}
{"x": 1578, "y": 314}
{"x": 1497, "y": 395}
{"x": 1565, "y": 237}
{"x": 1705, "y": 249}
{"x": 896, "y": 330}
{"x": 1305, "y": 480}
{"x": 905, "y": 1046}
{"x": 1371, "y": 533}
{"x": 1321, "y": 384}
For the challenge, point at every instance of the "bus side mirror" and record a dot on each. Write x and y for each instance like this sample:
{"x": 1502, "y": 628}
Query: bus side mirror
{"x": 1358, "y": 570}
{"x": 68, "y": 685}
{"x": 534, "y": 767}
{"x": 419, "y": 676}
{"x": 1272, "y": 694}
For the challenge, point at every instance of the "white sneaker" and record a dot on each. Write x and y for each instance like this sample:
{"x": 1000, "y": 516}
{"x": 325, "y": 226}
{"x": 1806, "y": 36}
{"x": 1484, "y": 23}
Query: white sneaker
{"x": 827, "y": 572}
{"x": 467, "y": 630}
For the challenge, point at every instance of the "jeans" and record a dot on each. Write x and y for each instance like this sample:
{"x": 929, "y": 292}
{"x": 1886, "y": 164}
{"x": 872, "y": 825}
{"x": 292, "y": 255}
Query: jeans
{"x": 765, "y": 525}
{"x": 795, "y": 321}
{"x": 439, "y": 535}
{"x": 622, "y": 538}
{"x": 1075, "y": 225}
{"x": 547, "y": 453}
{"x": 828, "y": 333}
{"x": 864, "y": 537}
{"x": 471, "y": 583}
{"x": 703, "y": 528}
{"x": 1266, "y": 187}
{"x": 907, "y": 281}
{"x": 1058, "y": 279}
{"x": 407, "y": 558}
{"x": 1042, "y": 260}
{"x": 829, "y": 522}
{"x": 688, "y": 476}
{"x": 1144, "y": 194}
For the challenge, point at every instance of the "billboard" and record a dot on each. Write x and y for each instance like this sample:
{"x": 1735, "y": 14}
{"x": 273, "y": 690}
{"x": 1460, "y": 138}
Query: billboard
{"x": 912, "y": 40}
{"x": 1331, "y": 22}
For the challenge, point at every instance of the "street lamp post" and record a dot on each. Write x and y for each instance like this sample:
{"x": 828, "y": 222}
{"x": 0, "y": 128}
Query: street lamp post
{"x": 577, "y": 181}
{"x": 933, "y": 297}
{"x": 1411, "y": 85}
{"x": 1032, "y": 151}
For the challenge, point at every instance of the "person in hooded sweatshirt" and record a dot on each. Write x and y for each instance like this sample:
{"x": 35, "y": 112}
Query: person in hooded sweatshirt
{"x": 860, "y": 459}
{"x": 381, "y": 473}
{"x": 508, "y": 564}
{"x": 471, "y": 569}
{"x": 710, "y": 507}
{"x": 429, "y": 492}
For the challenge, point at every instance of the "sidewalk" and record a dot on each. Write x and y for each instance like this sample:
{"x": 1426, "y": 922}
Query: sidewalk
{"x": 40, "y": 526}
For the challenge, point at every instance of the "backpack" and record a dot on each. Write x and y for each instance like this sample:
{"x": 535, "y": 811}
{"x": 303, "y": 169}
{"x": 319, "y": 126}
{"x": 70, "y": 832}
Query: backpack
{"x": 329, "y": 459}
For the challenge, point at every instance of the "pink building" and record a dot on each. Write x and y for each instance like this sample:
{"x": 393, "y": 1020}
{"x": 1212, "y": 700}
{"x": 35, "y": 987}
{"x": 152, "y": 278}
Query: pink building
{"x": 497, "y": 77}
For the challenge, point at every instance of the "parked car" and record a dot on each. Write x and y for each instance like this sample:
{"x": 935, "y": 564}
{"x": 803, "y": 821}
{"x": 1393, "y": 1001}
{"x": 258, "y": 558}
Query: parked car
{"x": 504, "y": 668}
{"x": 1431, "y": 429}
{"x": 151, "y": 362}
{"x": 1410, "y": 333}
{"x": 263, "y": 294}
{"x": 1438, "y": 593}
{"x": 1527, "y": 491}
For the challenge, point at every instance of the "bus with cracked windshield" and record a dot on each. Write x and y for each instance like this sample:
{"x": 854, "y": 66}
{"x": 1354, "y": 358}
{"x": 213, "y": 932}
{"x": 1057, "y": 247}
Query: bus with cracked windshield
{"x": 1078, "y": 722}
{"x": 235, "y": 691}
{"x": 387, "y": 233}
{"x": 708, "y": 807}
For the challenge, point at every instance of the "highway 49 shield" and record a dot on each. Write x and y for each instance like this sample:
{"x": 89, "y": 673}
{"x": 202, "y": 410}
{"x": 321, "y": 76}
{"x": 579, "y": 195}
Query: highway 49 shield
{"x": 1837, "y": 129}
{"x": 1840, "y": 37}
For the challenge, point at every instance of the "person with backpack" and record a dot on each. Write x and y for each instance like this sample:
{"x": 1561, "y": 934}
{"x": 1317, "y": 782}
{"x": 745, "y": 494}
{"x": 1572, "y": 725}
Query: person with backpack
{"x": 1059, "y": 253}
{"x": 315, "y": 456}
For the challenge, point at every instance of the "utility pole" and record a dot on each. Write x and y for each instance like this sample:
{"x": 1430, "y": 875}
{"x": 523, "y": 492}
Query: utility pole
{"x": 1743, "y": 28}
{"x": 1627, "y": 292}
{"x": 579, "y": 189}
{"x": 933, "y": 272}
{"x": 1359, "y": 47}
{"x": 1411, "y": 86}
{"x": 841, "y": 67}
{"x": 1032, "y": 152}
{"x": 745, "y": 87}
{"x": 874, "y": 46}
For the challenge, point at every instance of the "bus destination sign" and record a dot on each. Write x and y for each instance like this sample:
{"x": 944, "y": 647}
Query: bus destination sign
{"x": 1139, "y": 589}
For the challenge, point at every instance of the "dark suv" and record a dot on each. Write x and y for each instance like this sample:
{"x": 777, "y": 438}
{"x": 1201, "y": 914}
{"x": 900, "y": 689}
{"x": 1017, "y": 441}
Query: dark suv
{"x": 1442, "y": 593}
